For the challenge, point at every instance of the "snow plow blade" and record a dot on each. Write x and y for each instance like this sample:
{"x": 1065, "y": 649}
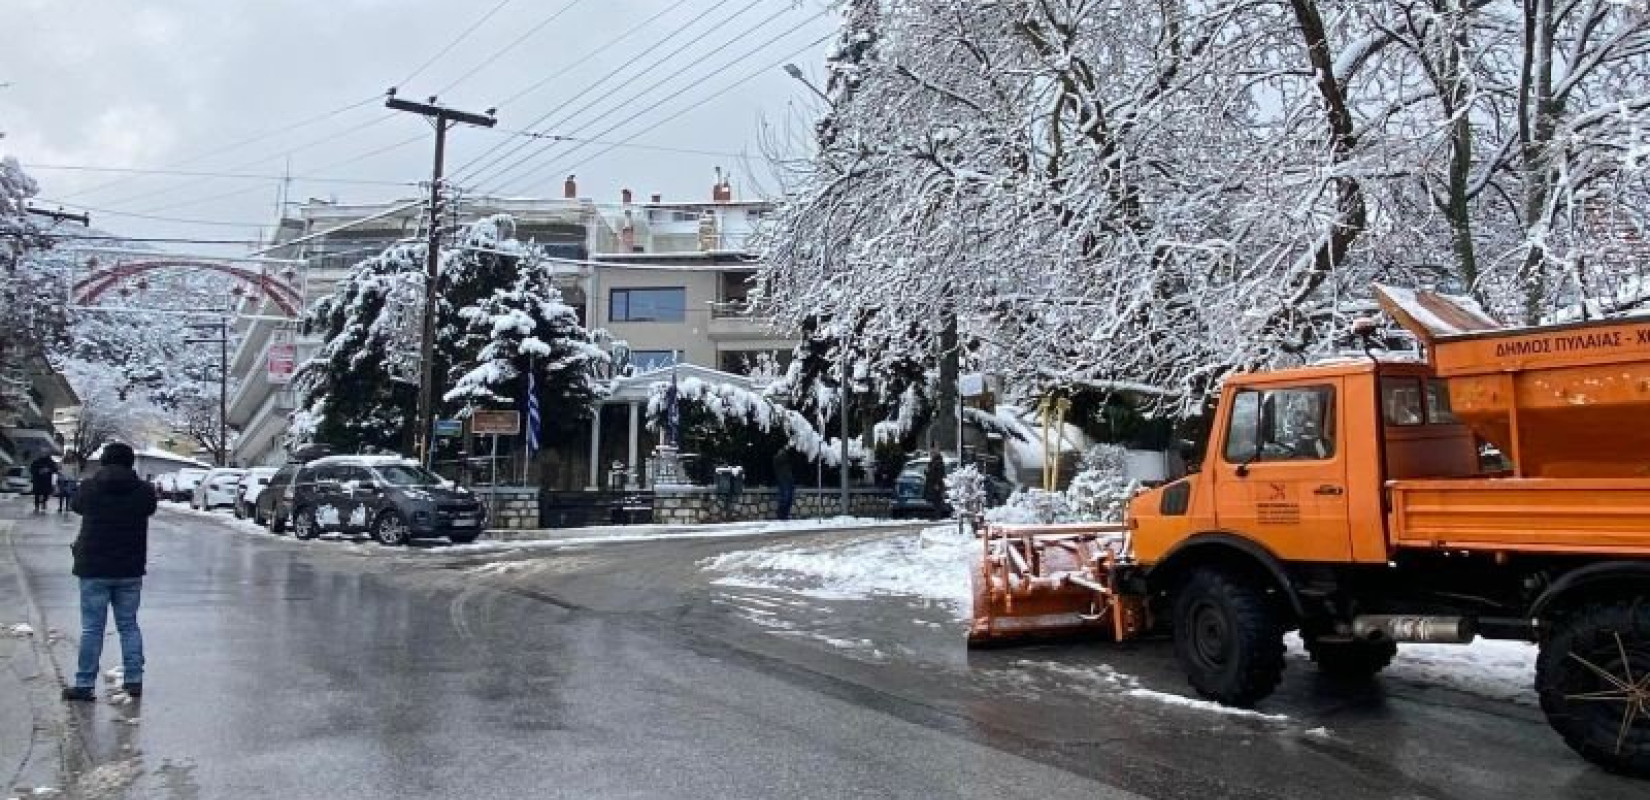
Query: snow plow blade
{"x": 1039, "y": 582}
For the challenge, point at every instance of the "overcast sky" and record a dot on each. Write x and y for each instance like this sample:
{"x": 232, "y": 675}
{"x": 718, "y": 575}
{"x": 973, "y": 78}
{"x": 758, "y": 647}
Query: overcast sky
{"x": 164, "y": 84}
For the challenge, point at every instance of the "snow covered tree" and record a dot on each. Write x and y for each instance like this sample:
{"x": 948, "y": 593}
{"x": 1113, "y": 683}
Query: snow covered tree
{"x": 497, "y": 313}
{"x": 1141, "y": 198}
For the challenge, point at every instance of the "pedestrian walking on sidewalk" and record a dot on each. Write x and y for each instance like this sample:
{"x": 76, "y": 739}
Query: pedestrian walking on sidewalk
{"x": 784, "y": 478}
{"x": 109, "y": 558}
{"x": 41, "y": 472}
{"x": 66, "y": 487}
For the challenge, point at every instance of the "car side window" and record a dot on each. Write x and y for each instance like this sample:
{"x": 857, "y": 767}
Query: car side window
{"x": 1293, "y": 424}
{"x": 352, "y": 476}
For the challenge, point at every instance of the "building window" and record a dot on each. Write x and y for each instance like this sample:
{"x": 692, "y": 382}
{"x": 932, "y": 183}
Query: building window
{"x": 648, "y": 305}
{"x": 649, "y": 360}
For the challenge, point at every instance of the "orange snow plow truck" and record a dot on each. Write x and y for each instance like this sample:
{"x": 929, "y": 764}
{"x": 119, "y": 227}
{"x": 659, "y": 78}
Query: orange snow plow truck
{"x": 1501, "y": 489}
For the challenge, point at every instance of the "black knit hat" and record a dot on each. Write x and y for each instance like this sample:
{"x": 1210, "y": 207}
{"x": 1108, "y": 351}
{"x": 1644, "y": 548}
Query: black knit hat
{"x": 116, "y": 454}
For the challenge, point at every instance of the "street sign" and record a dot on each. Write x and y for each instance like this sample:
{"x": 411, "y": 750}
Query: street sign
{"x": 449, "y": 428}
{"x": 971, "y": 384}
{"x": 497, "y": 423}
{"x": 282, "y": 362}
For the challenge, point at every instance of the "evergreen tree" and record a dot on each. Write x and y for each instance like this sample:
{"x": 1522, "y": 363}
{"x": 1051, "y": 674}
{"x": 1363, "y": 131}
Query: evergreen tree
{"x": 497, "y": 312}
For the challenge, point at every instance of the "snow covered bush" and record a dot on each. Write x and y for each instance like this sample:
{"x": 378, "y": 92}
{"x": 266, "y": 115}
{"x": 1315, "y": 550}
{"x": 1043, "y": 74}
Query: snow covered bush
{"x": 1100, "y": 490}
{"x": 1033, "y": 507}
{"x": 965, "y": 491}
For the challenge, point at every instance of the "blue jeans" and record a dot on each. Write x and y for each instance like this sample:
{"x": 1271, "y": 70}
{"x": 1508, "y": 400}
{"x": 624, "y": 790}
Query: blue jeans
{"x": 97, "y": 596}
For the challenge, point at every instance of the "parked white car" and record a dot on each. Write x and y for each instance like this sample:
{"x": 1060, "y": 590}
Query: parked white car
{"x": 184, "y": 482}
{"x": 252, "y": 484}
{"x": 16, "y": 480}
{"x": 218, "y": 489}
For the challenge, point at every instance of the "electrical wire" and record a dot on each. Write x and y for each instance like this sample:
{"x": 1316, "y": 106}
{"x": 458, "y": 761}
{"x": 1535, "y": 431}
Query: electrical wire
{"x": 601, "y": 48}
{"x": 500, "y": 52}
{"x": 322, "y": 117}
{"x": 249, "y": 164}
{"x": 468, "y": 171}
{"x": 181, "y": 221}
{"x": 206, "y": 174}
{"x": 462, "y": 35}
{"x": 742, "y": 58}
{"x": 659, "y": 148}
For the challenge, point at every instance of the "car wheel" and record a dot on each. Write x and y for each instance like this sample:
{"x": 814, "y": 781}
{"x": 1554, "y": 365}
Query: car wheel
{"x": 304, "y": 525}
{"x": 277, "y": 524}
{"x": 239, "y": 512}
{"x": 391, "y": 529}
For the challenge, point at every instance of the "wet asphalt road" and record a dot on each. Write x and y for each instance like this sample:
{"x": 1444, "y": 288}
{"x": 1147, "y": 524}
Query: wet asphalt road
{"x": 331, "y": 669}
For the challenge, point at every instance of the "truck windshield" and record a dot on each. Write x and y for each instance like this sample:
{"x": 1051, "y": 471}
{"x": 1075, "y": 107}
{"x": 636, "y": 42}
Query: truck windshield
{"x": 407, "y": 475}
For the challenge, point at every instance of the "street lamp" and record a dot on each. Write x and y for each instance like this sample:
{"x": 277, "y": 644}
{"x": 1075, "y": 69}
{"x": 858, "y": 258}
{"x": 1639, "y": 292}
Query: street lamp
{"x": 796, "y": 72}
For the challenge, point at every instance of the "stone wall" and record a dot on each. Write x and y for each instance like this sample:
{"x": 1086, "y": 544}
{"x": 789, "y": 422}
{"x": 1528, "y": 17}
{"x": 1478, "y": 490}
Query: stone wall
{"x": 699, "y": 504}
{"x": 510, "y": 507}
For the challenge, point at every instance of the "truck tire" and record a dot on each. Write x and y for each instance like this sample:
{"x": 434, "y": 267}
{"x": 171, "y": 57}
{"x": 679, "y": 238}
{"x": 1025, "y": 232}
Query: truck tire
{"x": 1351, "y": 661}
{"x": 1593, "y": 676}
{"x": 1228, "y": 636}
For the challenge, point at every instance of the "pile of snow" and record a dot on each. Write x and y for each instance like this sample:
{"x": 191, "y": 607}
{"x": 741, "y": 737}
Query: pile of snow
{"x": 625, "y": 534}
{"x": 1500, "y": 670}
{"x": 931, "y": 564}
{"x": 1099, "y": 492}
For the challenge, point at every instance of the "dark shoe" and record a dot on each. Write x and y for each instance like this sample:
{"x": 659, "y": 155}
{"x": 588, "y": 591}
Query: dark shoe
{"x": 81, "y": 693}
{"x": 132, "y": 689}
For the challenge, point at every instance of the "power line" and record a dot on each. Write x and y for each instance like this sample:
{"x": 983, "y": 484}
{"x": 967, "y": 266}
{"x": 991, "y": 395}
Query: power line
{"x": 499, "y": 53}
{"x": 179, "y": 220}
{"x": 334, "y": 165}
{"x": 469, "y": 171}
{"x": 603, "y": 47}
{"x": 248, "y": 164}
{"x": 740, "y": 59}
{"x": 660, "y": 148}
{"x": 240, "y": 143}
{"x": 208, "y": 174}
{"x": 454, "y": 43}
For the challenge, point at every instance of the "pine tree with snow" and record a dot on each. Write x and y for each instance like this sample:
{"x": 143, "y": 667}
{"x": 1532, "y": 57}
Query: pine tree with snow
{"x": 497, "y": 311}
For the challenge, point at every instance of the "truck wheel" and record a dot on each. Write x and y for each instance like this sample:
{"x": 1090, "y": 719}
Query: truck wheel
{"x": 1593, "y": 676}
{"x": 1228, "y": 638}
{"x": 1352, "y": 661}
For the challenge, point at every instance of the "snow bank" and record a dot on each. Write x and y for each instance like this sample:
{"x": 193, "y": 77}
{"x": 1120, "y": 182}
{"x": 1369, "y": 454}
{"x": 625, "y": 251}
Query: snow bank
{"x": 1501, "y": 670}
{"x": 931, "y": 564}
{"x": 623, "y": 534}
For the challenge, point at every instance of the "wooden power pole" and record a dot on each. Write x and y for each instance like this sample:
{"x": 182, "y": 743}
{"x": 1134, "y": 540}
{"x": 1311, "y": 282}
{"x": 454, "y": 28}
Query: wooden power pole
{"x": 443, "y": 118}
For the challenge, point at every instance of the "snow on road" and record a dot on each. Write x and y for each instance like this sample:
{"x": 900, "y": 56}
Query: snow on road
{"x": 933, "y": 565}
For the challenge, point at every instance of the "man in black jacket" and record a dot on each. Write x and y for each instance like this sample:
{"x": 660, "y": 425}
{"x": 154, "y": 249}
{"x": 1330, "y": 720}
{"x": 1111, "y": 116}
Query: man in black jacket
{"x": 109, "y": 556}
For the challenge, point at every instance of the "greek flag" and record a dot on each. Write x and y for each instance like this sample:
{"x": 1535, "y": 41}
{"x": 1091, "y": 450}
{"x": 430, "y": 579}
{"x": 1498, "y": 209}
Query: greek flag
{"x": 532, "y": 414}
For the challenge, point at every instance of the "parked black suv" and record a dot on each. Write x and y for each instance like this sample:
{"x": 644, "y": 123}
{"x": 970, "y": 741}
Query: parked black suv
{"x": 393, "y": 498}
{"x": 272, "y": 507}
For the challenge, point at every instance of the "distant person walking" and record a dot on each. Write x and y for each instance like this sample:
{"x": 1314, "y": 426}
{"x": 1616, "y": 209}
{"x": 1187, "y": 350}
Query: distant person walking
{"x": 41, "y": 472}
{"x": 933, "y": 483}
{"x": 785, "y": 478}
{"x": 66, "y": 487}
{"x": 109, "y": 558}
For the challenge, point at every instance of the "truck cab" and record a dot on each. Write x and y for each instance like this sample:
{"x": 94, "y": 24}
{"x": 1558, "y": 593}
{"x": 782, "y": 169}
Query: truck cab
{"x": 1297, "y": 461}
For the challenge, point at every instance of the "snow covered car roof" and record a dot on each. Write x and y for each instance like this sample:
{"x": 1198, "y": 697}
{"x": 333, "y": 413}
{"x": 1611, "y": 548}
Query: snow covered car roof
{"x": 363, "y": 461}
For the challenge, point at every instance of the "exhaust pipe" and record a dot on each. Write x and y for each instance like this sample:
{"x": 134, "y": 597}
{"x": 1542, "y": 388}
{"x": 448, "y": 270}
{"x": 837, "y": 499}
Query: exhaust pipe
{"x": 1415, "y": 629}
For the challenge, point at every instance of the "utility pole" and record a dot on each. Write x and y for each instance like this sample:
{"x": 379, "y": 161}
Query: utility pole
{"x": 222, "y": 342}
{"x": 443, "y": 118}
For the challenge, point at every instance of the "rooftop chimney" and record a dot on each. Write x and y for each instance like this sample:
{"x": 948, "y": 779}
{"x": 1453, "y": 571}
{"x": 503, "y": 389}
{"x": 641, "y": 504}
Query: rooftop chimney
{"x": 624, "y": 196}
{"x": 722, "y": 192}
{"x": 570, "y": 188}
{"x": 658, "y": 198}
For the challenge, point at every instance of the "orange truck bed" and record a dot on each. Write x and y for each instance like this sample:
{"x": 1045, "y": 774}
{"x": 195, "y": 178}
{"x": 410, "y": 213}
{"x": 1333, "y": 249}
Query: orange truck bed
{"x": 1600, "y": 516}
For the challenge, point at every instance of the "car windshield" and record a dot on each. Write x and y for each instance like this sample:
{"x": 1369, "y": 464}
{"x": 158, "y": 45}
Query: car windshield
{"x": 407, "y": 475}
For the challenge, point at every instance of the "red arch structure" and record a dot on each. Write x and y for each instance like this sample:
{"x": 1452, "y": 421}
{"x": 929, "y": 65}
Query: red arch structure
{"x": 285, "y": 296}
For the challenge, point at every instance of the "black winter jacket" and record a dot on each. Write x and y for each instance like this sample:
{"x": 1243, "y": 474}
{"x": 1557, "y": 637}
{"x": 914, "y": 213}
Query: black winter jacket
{"x": 114, "y": 507}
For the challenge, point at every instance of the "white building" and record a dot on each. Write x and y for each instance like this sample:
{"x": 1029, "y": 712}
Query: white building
{"x": 668, "y": 279}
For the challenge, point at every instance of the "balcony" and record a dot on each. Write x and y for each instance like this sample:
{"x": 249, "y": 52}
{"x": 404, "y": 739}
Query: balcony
{"x": 734, "y": 319}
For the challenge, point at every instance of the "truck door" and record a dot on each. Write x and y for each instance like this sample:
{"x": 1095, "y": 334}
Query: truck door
{"x": 1281, "y": 478}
